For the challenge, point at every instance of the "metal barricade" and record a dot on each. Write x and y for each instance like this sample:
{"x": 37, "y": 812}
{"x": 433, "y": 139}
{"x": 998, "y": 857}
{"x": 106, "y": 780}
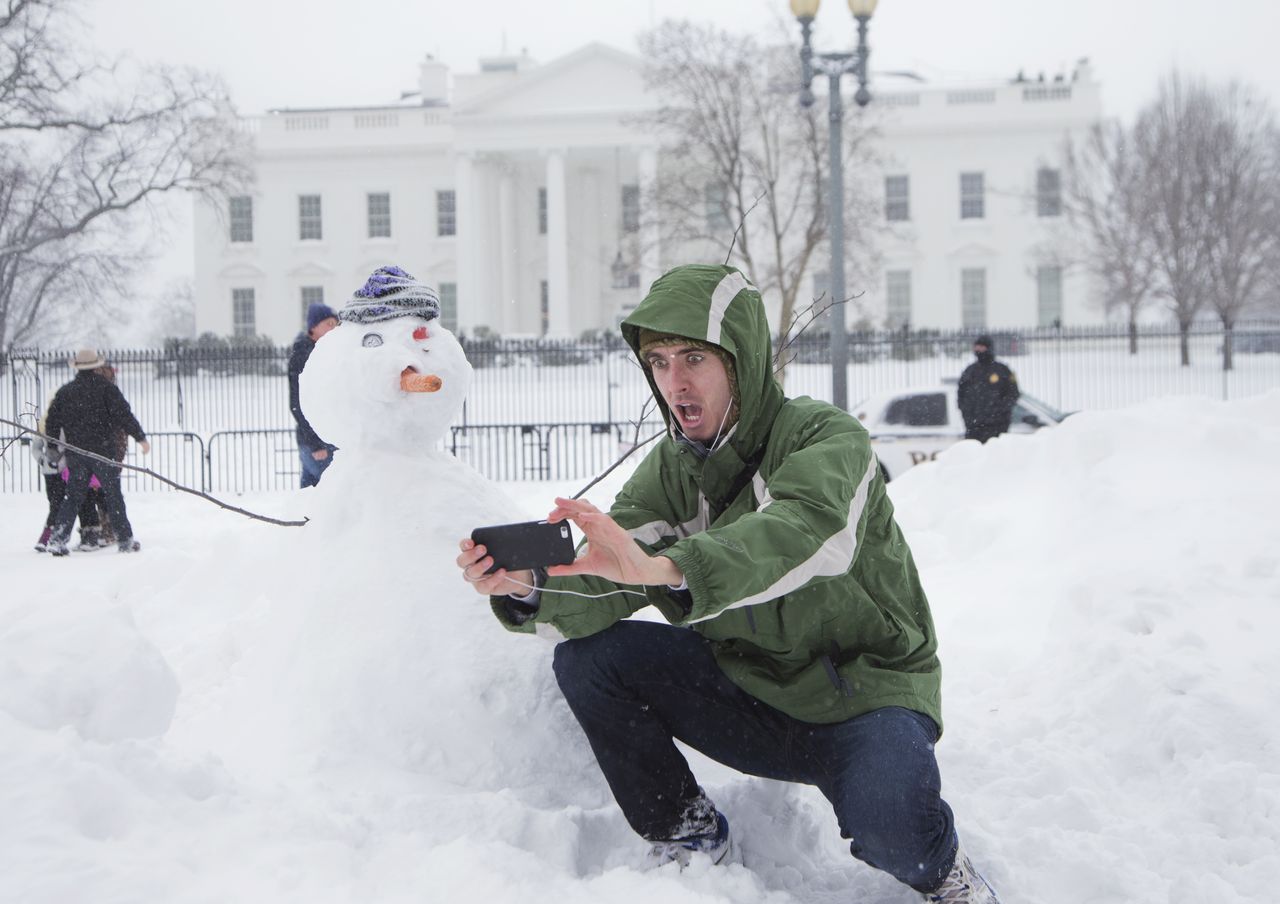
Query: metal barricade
{"x": 249, "y": 461}
{"x": 541, "y": 451}
{"x": 179, "y": 456}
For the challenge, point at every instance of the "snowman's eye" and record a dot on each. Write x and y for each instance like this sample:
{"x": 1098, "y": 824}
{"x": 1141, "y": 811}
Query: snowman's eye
{"x": 371, "y": 340}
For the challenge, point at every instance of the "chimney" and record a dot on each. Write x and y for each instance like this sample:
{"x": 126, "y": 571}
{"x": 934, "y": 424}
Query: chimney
{"x": 433, "y": 82}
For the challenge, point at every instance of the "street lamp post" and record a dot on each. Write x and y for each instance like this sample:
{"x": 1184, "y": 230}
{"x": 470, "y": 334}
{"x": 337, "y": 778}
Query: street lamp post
{"x": 833, "y": 66}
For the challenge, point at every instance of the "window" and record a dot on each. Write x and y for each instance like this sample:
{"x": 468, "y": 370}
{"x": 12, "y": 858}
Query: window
{"x": 542, "y": 211}
{"x": 897, "y": 198}
{"x": 241, "y": 211}
{"x": 973, "y": 298}
{"x": 1048, "y": 192}
{"x": 311, "y": 295}
{"x": 379, "y": 215}
{"x": 449, "y": 306}
{"x": 631, "y": 208}
{"x": 1049, "y": 295}
{"x": 973, "y": 203}
{"x": 716, "y": 198}
{"x": 929, "y": 410}
{"x": 545, "y": 307}
{"x": 242, "y": 314}
{"x": 309, "y": 218}
{"x": 897, "y": 295}
{"x": 446, "y": 213}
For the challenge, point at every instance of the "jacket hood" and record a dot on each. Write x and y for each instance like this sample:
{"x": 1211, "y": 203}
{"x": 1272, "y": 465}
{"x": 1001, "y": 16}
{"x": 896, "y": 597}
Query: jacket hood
{"x": 716, "y": 304}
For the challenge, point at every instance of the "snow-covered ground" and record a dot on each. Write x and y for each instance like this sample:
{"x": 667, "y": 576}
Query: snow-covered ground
{"x": 327, "y": 714}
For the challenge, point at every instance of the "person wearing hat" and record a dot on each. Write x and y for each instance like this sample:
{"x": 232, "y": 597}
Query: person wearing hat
{"x": 800, "y": 646}
{"x": 987, "y": 393}
{"x": 89, "y": 413}
{"x": 314, "y": 453}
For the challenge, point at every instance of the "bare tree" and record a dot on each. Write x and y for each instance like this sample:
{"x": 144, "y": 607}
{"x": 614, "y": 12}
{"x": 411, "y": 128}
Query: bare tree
{"x": 744, "y": 166}
{"x": 1243, "y": 203}
{"x": 85, "y": 149}
{"x": 1105, "y": 201}
{"x": 1173, "y": 141}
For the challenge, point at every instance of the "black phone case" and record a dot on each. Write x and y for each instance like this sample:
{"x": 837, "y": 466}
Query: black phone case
{"x": 526, "y": 544}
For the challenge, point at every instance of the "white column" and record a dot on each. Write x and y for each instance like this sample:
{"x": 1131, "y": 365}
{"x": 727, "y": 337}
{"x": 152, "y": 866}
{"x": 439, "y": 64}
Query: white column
{"x": 508, "y": 290}
{"x": 471, "y": 310}
{"x": 650, "y": 233}
{"x": 597, "y": 247}
{"x": 557, "y": 245}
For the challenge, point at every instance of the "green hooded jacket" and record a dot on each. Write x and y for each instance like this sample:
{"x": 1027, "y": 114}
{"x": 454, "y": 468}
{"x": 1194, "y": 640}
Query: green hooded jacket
{"x": 798, "y": 574}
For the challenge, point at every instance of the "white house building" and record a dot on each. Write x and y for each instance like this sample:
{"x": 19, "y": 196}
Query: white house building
{"x": 515, "y": 191}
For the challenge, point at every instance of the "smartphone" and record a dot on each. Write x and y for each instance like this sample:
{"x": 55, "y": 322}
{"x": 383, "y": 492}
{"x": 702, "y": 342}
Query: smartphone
{"x": 526, "y": 544}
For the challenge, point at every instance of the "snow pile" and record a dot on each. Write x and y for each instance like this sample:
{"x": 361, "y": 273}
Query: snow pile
{"x": 329, "y": 715}
{"x": 1106, "y": 597}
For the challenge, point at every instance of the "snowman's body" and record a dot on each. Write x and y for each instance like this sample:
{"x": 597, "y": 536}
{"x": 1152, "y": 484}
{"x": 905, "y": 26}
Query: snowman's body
{"x": 377, "y": 649}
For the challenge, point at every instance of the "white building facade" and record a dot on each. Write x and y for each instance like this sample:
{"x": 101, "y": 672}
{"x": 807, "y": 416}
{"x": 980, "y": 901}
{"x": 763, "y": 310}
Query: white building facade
{"x": 974, "y": 205}
{"x": 519, "y": 191}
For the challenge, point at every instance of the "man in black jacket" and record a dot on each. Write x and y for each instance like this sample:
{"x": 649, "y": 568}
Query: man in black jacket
{"x": 314, "y": 453}
{"x": 987, "y": 393}
{"x": 89, "y": 413}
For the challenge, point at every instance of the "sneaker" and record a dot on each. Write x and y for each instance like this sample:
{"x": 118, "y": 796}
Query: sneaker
{"x": 963, "y": 885}
{"x": 42, "y": 545}
{"x": 718, "y": 846}
{"x": 130, "y": 545}
{"x": 58, "y": 549}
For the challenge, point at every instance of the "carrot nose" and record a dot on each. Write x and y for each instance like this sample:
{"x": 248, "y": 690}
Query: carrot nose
{"x": 412, "y": 381}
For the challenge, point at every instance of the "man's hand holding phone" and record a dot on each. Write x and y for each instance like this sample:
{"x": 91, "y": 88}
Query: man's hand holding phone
{"x": 475, "y": 562}
{"x": 611, "y": 552}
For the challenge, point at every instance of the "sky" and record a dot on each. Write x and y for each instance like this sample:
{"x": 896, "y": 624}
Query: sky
{"x": 299, "y": 53}
{"x": 328, "y": 714}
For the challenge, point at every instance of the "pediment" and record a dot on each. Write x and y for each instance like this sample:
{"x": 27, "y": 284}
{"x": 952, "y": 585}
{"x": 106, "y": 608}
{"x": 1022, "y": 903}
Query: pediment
{"x": 312, "y": 268}
{"x": 595, "y": 78}
{"x": 242, "y": 270}
{"x": 974, "y": 250}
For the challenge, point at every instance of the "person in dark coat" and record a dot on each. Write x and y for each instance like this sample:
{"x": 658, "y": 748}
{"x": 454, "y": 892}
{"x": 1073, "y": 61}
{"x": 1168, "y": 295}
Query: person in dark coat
{"x": 987, "y": 393}
{"x": 89, "y": 412}
{"x": 314, "y": 453}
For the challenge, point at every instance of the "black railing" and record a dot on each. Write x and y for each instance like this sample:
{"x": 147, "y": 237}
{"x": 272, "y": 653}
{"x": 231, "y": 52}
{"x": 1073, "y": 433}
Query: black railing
{"x": 534, "y": 403}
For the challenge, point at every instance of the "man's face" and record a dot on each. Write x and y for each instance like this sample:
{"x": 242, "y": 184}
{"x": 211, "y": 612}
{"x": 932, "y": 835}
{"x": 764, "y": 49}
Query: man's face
{"x": 979, "y": 349}
{"x": 695, "y": 385}
{"x": 323, "y": 327}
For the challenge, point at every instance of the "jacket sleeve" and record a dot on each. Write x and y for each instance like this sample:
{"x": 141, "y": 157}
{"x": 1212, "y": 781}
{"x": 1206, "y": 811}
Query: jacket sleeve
{"x": 297, "y": 361}
{"x": 807, "y": 528}
{"x": 963, "y": 389}
{"x": 120, "y": 415}
{"x": 55, "y": 421}
{"x": 1011, "y": 390}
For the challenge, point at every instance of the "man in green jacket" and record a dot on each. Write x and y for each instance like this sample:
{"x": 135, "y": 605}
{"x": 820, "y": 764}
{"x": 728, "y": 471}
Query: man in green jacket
{"x": 801, "y": 646}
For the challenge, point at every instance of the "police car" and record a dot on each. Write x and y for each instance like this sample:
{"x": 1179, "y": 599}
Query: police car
{"x": 910, "y": 426}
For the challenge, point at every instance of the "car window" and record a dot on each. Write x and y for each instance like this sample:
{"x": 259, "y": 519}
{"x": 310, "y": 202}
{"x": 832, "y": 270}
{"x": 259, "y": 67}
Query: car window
{"x": 927, "y": 410}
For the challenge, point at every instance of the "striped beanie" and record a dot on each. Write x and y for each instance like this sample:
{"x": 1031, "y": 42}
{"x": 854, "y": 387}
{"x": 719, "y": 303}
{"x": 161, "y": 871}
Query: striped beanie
{"x": 388, "y": 293}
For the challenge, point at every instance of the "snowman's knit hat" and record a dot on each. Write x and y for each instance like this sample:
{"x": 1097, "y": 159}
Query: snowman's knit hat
{"x": 389, "y": 293}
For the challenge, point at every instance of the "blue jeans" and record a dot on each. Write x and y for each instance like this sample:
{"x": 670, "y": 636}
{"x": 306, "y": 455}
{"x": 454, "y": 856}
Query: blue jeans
{"x": 637, "y": 685}
{"x": 80, "y": 471}
{"x": 312, "y": 469}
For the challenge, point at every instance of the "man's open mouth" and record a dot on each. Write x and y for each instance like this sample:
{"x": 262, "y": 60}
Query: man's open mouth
{"x": 688, "y": 414}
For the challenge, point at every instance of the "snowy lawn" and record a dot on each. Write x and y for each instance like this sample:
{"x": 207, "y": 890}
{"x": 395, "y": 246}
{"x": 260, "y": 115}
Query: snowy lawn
{"x": 244, "y": 712}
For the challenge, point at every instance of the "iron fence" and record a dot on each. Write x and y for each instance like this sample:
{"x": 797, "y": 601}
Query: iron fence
{"x": 547, "y": 409}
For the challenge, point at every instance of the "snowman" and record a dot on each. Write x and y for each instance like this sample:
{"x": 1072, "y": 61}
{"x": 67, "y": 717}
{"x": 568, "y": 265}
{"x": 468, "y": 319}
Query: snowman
{"x": 372, "y": 648}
